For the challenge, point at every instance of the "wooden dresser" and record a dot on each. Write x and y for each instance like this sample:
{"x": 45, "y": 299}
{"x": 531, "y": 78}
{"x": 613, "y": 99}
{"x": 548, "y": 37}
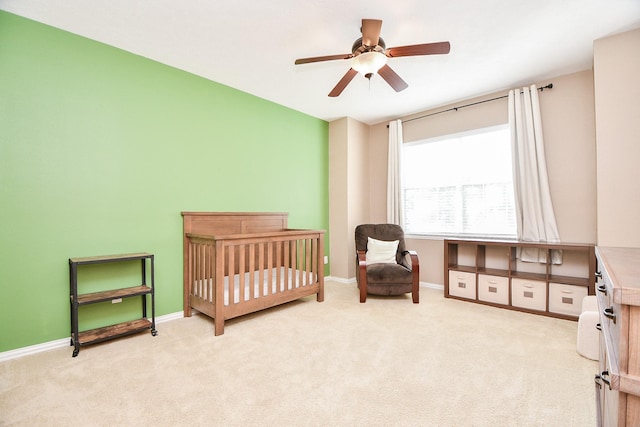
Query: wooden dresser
{"x": 618, "y": 379}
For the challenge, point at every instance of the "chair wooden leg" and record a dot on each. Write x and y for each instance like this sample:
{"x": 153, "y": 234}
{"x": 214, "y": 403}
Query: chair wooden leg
{"x": 362, "y": 276}
{"x": 415, "y": 277}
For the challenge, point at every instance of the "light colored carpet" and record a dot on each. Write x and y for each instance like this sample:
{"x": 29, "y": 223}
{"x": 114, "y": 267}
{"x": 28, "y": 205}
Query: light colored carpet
{"x": 338, "y": 363}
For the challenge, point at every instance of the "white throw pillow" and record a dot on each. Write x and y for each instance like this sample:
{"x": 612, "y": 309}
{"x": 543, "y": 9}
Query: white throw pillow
{"x": 381, "y": 252}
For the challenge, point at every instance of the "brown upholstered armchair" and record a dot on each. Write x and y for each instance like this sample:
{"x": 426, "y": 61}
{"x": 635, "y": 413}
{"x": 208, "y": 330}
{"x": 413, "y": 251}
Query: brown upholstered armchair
{"x": 385, "y": 276}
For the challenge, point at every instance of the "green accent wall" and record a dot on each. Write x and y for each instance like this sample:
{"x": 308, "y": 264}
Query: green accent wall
{"x": 100, "y": 152}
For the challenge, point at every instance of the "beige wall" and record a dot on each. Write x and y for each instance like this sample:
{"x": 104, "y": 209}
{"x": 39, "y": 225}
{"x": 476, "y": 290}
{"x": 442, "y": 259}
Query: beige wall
{"x": 568, "y": 119}
{"x": 348, "y": 191}
{"x": 617, "y": 106}
{"x": 569, "y": 132}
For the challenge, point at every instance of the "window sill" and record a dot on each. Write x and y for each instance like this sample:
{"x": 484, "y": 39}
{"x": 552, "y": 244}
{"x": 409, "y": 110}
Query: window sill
{"x": 458, "y": 236}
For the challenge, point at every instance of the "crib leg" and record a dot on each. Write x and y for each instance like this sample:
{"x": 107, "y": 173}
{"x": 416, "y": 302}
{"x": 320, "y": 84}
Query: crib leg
{"x": 218, "y": 323}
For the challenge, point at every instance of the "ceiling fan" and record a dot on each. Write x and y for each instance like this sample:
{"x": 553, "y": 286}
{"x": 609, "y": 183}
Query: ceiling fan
{"x": 369, "y": 56}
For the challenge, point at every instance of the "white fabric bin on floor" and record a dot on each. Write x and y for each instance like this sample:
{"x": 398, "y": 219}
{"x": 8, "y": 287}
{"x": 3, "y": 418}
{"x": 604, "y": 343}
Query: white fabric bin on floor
{"x": 588, "y": 335}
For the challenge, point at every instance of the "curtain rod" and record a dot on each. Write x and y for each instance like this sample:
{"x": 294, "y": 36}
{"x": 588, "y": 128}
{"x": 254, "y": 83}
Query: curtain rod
{"x": 549, "y": 86}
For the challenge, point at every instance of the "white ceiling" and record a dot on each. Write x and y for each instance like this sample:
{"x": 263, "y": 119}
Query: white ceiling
{"x": 251, "y": 45}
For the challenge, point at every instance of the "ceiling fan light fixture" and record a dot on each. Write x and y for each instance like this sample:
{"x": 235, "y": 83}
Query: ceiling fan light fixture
{"x": 368, "y": 63}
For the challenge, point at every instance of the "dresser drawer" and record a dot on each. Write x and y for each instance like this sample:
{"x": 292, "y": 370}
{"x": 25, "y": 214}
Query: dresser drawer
{"x": 566, "y": 299}
{"x": 493, "y": 289}
{"x": 610, "y": 312}
{"x": 531, "y": 294}
{"x": 462, "y": 284}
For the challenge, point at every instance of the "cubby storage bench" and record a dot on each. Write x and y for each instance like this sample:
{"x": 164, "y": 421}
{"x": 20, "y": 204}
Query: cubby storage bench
{"x": 77, "y": 299}
{"x": 489, "y": 272}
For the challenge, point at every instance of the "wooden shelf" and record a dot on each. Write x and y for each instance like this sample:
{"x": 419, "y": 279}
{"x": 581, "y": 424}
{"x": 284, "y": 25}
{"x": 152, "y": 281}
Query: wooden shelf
{"x": 541, "y": 288}
{"x": 112, "y": 294}
{"x": 528, "y": 276}
{"x": 109, "y": 258}
{"x": 113, "y": 331}
{"x": 491, "y": 271}
{"x": 466, "y": 268}
{"x": 569, "y": 280}
{"x": 77, "y": 299}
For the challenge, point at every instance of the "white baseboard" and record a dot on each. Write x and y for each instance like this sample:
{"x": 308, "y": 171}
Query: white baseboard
{"x": 65, "y": 342}
{"x": 340, "y": 280}
{"x": 432, "y": 286}
{"x": 353, "y": 280}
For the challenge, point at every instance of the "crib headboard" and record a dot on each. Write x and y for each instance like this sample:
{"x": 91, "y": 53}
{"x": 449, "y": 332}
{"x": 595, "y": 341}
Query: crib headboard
{"x": 224, "y": 223}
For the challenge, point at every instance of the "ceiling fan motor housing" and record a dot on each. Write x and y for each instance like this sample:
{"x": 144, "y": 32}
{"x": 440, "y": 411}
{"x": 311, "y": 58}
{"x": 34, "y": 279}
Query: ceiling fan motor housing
{"x": 359, "y": 48}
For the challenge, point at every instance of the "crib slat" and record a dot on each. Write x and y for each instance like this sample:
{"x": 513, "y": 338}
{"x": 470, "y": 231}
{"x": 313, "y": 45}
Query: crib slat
{"x": 314, "y": 260}
{"x": 307, "y": 262}
{"x": 197, "y": 267}
{"x": 192, "y": 270}
{"x": 303, "y": 262}
{"x": 277, "y": 265}
{"x": 203, "y": 271}
{"x": 298, "y": 261}
{"x": 208, "y": 273}
{"x": 261, "y": 266}
{"x": 252, "y": 270}
{"x": 241, "y": 264}
{"x": 287, "y": 265}
{"x": 231, "y": 274}
{"x": 201, "y": 277}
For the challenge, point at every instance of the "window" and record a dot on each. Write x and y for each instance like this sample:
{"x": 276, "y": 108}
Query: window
{"x": 460, "y": 185}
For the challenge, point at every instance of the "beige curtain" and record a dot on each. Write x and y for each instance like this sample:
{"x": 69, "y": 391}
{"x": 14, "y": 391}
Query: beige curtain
{"x": 535, "y": 216}
{"x": 394, "y": 183}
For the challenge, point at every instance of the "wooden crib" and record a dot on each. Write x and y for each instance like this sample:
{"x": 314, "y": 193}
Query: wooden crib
{"x": 242, "y": 262}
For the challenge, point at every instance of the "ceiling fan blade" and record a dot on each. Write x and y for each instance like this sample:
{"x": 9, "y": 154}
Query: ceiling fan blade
{"x": 394, "y": 80}
{"x": 420, "y": 49}
{"x": 371, "y": 32}
{"x": 323, "y": 58}
{"x": 344, "y": 81}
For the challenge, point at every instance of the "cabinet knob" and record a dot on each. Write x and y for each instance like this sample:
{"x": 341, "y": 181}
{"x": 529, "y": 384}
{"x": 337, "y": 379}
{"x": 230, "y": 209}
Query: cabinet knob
{"x": 598, "y": 326}
{"x": 602, "y": 288}
{"x": 598, "y": 275}
{"x": 608, "y": 312}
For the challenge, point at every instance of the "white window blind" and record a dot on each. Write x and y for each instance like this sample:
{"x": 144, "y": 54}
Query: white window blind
{"x": 460, "y": 185}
